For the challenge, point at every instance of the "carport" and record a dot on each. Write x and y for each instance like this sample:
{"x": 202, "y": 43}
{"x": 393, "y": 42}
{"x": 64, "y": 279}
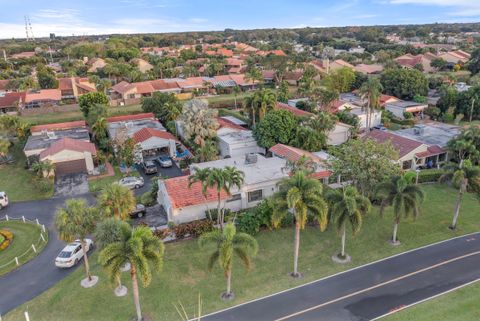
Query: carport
{"x": 153, "y": 142}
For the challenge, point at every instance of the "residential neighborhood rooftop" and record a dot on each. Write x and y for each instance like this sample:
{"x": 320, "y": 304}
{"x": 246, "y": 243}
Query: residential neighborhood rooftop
{"x": 433, "y": 133}
{"x": 45, "y": 140}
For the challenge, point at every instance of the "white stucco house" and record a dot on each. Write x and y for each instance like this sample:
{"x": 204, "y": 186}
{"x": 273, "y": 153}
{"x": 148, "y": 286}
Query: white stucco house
{"x": 399, "y": 108}
{"x": 184, "y": 204}
{"x": 339, "y": 134}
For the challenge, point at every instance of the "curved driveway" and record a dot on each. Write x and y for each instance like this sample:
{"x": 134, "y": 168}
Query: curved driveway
{"x": 39, "y": 274}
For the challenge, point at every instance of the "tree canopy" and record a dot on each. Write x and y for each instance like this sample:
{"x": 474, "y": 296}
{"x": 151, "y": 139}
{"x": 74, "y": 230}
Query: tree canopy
{"x": 278, "y": 126}
{"x": 404, "y": 83}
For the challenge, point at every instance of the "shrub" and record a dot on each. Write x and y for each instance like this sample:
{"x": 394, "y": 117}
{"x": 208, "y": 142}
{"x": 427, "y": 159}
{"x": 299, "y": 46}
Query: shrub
{"x": 161, "y": 234}
{"x": 147, "y": 199}
{"x": 213, "y": 214}
{"x": 248, "y": 223}
{"x": 7, "y": 239}
{"x": 194, "y": 229}
{"x": 408, "y": 115}
{"x": 430, "y": 175}
{"x": 43, "y": 184}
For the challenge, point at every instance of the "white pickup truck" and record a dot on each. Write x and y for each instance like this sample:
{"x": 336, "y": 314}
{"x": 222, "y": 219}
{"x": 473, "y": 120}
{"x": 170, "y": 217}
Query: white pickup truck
{"x": 3, "y": 200}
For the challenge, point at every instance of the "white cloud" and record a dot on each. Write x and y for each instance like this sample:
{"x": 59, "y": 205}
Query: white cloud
{"x": 198, "y": 20}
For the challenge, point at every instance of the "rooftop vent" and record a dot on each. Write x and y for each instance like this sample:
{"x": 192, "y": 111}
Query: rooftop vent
{"x": 251, "y": 158}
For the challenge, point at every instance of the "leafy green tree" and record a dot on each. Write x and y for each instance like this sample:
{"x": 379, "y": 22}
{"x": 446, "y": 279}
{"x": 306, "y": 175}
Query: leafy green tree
{"x": 44, "y": 168}
{"x": 365, "y": 162}
{"x": 77, "y": 221}
{"x": 313, "y": 134}
{"x": 468, "y": 103}
{"x": 438, "y": 63}
{"x": 88, "y": 100}
{"x": 46, "y": 79}
{"x": 466, "y": 177}
{"x": 301, "y": 196}
{"x": 474, "y": 63}
{"x": 144, "y": 252}
{"x": 226, "y": 245}
{"x": 403, "y": 196}
{"x": 347, "y": 206}
{"x": 404, "y": 83}
{"x": 165, "y": 106}
{"x": 4, "y": 147}
{"x": 207, "y": 152}
{"x": 199, "y": 122}
{"x": 254, "y": 75}
{"x": 448, "y": 98}
{"x": 278, "y": 126}
{"x": 127, "y": 152}
{"x": 116, "y": 201}
{"x": 283, "y": 92}
{"x": 340, "y": 80}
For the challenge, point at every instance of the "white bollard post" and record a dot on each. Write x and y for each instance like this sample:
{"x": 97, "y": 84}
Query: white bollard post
{"x": 34, "y": 249}
{"x": 38, "y": 223}
{"x": 6, "y": 218}
{"x": 41, "y": 235}
{"x": 16, "y": 261}
{"x": 27, "y": 317}
{"x": 23, "y": 219}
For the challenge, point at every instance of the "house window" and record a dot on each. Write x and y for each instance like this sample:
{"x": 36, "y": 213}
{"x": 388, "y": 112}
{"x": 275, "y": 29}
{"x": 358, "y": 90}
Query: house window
{"x": 407, "y": 164}
{"x": 235, "y": 197}
{"x": 442, "y": 157}
{"x": 254, "y": 196}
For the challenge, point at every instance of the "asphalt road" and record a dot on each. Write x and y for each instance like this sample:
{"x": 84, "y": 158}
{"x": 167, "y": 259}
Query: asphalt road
{"x": 39, "y": 274}
{"x": 370, "y": 291}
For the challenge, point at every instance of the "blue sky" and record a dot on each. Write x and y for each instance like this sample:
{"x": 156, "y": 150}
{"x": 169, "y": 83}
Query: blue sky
{"x": 136, "y": 16}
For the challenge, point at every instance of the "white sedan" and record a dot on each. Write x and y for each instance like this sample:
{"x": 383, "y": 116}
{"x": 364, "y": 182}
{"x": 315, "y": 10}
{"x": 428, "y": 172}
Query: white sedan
{"x": 72, "y": 253}
{"x": 131, "y": 182}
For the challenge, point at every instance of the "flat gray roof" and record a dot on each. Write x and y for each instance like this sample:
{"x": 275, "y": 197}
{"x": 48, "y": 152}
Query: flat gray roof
{"x": 430, "y": 133}
{"x": 405, "y": 104}
{"x": 133, "y": 126}
{"x": 241, "y": 136}
{"x": 234, "y": 120}
{"x": 44, "y": 141}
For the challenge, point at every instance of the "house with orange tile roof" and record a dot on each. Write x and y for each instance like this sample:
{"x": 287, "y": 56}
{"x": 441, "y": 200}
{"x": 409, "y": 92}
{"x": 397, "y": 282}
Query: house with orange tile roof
{"x": 95, "y": 64}
{"x": 42, "y": 97}
{"x": 73, "y": 87}
{"x": 369, "y": 69}
{"x": 184, "y": 203}
{"x": 410, "y": 61}
{"x": 11, "y": 101}
{"x": 326, "y": 66}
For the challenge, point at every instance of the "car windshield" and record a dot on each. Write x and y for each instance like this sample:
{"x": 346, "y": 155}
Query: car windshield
{"x": 150, "y": 164}
{"x": 164, "y": 158}
{"x": 64, "y": 254}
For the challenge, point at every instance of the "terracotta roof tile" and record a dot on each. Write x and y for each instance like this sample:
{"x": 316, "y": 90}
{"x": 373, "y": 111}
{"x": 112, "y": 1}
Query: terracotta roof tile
{"x": 44, "y": 94}
{"x": 131, "y": 117}
{"x": 225, "y": 123}
{"x": 298, "y": 112}
{"x": 11, "y": 99}
{"x": 401, "y": 144}
{"x": 181, "y": 195}
{"x": 146, "y": 133}
{"x": 69, "y": 144}
{"x": 59, "y": 126}
{"x": 431, "y": 151}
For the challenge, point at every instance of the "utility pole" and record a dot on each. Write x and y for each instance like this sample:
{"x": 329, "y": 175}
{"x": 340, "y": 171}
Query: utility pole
{"x": 471, "y": 108}
{"x": 26, "y": 28}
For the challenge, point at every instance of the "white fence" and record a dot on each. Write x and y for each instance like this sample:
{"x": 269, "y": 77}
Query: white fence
{"x": 17, "y": 261}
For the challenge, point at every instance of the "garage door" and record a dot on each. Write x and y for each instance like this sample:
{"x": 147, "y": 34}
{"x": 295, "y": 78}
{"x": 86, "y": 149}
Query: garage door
{"x": 70, "y": 167}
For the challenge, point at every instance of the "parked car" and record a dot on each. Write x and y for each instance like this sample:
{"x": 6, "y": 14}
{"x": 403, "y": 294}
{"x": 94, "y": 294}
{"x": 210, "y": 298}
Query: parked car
{"x": 131, "y": 182}
{"x": 3, "y": 200}
{"x": 165, "y": 161}
{"x": 139, "y": 211}
{"x": 149, "y": 167}
{"x": 72, "y": 253}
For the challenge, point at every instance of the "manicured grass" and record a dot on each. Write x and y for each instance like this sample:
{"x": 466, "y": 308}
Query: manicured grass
{"x": 77, "y": 115}
{"x": 24, "y": 235}
{"x": 185, "y": 273}
{"x": 98, "y": 184}
{"x": 460, "y": 305}
{"x": 18, "y": 182}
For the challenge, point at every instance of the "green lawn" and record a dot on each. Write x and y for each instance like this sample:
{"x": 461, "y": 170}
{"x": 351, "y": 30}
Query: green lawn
{"x": 77, "y": 115}
{"x": 18, "y": 182}
{"x": 185, "y": 274}
{"x": 460, "y": 305}
{"x": 24, "y": 235}
{"x": 98, "y": 184}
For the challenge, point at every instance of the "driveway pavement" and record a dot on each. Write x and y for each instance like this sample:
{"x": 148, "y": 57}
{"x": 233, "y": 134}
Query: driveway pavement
{"x": 39, "y": 274}
{"x": 370, "y": 291}
{"x": 71, "y": 185}
{"x": 173, "y": 171}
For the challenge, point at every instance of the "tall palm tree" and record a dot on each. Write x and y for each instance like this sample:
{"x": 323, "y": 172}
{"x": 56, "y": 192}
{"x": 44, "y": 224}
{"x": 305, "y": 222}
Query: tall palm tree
{"x": 302, "y": 196}
{"x": 467, "y": 178}
{"x": 236, "y": 91}
{"x": 107, "y": 232}
{"x": 43, "y": 168}
{"x": 371, "y": 90}
{"x": 404, "y": 196}
{"x": 260, "y": 103}
{"x": 347, "y": 206}
{"x": 226, "y": 244}
{"x": 76, "y": 221}
{"x": 206, "y": 152}
{"x": 144, "y": 252}
{"x": 99, "y": 128}
{"x": 116, "y": 201}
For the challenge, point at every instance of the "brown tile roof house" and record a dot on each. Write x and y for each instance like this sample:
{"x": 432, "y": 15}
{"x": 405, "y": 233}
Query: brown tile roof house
{"x": 115, "y": 119}
{"x": 182, "y": 195}
{"x": 296, "y": 111}
{"x": 73, "y": 87}
{"x": 69, "y": 144}
{"x": 42, "y": 97}
{"x": 403, "y": 145}
{"x": 9, "y": 102}
{"x": 147, "y": 133}
{"x": 22, "y": 55}
{"x": 58, "y": 126}
{"x": 225, "y": 123}
{"x": 369, "y": 69}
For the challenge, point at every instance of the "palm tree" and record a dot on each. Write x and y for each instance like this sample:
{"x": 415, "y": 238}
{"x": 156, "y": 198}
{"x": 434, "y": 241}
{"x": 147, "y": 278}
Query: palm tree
{"x": 404, "y": 196}
{"x": 201, "y": 175}
{"x": 371, "y": 90}
{"x": 347, "y": 206}
{"x": 43, "y": 168}
{"x": 76, "y": 221}
{"x": 99, "y": 128}
{"x": 144, "y": 252}
{"x": 301, "y": 196}
{"x": 467, "y": 178}
{"x": 107, "y": 232}
{"x": 228, "y": 243}
{"x": 260, "y": 103}
{"x": 116, "y": 201}
{"x": 236, "y": 91}
{"x": 4, "y": 146}
{"x": 206, "y": 152}
{"x": 254, "y": 74}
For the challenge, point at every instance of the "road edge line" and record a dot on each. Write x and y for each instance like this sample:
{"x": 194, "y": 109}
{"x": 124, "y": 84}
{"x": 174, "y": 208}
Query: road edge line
{"x": 338, "y": 273}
